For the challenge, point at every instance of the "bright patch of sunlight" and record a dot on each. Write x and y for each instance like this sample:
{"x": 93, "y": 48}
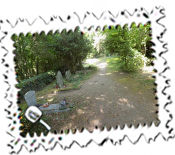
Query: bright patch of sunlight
{"x": 51, "y": 95}
{"x": 80, "y": 111}
{"x": 98, "y": 98}
{"x": 41, "y": 97}
{"x": 96, "y": 36}
{"x": 96, "y": 122}
{"x": 50, "y": 100}
{"x": 91, "y": 61}
{"x": 130, "y": 105}
{"x": 102, "y": 65}
{"x": 148, "y": 68}
{"x": 108, "y": 73}
{"x": 96, "y": 40}
{"x": 123, "y": 100}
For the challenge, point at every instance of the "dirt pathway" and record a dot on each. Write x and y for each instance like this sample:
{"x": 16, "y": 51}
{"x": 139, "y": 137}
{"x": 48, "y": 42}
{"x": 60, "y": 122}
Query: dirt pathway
{"x": 102, "y": 101}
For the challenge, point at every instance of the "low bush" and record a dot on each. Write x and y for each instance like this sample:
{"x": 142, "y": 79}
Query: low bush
{"x": 135, "y": 60}
{"x": 36, "y": 83}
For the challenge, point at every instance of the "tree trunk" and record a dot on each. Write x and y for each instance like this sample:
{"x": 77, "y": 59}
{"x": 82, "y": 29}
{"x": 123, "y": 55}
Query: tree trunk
{"x": 125, "y": 62}
{"x": 80, "y": 66}
{"x": 37, "y": 67}
{"x": 72, "y": 69}
{"x": 145, "y": 49}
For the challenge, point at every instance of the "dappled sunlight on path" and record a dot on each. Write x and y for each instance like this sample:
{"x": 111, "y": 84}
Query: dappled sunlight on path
{"x": 102, "y": 65}
{"x": 104, "y": 102}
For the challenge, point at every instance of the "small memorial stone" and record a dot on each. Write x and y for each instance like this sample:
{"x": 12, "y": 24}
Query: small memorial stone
{"x": 60, "y": 79}
{"x": 30, "y": 98}
{"x": 68, "y": 75}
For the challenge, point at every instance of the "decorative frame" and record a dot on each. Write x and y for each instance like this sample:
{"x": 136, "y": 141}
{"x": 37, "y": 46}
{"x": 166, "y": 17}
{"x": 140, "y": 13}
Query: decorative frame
{"x": 116, "y": 136}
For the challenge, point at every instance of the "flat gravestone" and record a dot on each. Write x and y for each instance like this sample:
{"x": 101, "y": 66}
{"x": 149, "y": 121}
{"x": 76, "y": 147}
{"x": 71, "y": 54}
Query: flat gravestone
{"x": 30, "y": 98}
{"x": 68, "y": 75}
{"x": 60, "y": 79}
{"x": 52, "y": 108}
{"x": 54, "y": 111}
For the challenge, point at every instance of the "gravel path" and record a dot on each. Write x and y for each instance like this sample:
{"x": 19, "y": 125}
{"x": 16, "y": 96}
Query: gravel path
{"x": 102, "y": 101}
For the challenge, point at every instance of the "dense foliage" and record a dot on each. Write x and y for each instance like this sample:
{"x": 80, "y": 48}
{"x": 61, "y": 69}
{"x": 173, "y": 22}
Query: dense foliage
{"x": 39, "y": 53}
{"x": 129, "y": 43}
{"x": 36, "y": 83}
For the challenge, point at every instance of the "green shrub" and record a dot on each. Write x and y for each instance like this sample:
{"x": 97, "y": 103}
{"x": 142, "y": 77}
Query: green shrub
{"x": 36, "y": 83}
{"x": 135, "y": 60}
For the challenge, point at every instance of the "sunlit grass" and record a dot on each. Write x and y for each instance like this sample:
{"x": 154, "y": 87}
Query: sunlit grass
{"x": 140, "y": 80}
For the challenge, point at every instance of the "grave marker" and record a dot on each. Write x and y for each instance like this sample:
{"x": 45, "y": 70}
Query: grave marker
{"x": 68, "y": 75}
{"x": 60, "y": 79}
{"x": 30, "y": 98}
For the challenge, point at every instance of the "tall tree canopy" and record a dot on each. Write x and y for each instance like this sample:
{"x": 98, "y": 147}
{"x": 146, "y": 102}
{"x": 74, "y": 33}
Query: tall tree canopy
{"x": 39, "y": 53}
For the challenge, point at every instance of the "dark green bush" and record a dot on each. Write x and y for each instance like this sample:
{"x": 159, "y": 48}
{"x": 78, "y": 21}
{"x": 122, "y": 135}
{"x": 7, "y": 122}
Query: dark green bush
{"x": 36, "y": 83}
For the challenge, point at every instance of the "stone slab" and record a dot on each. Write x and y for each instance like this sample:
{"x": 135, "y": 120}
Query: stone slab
{"x": 50, "y": 107}
{"x": 54, "y": 111}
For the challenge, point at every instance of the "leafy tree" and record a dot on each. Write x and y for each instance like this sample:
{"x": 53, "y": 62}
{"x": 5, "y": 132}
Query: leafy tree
{"x": 141, "y": 36}
{"x": 127, "y": 42}
{"x": 39, "y": 53}
{"x": 118, "y": 41}
{"x": 74, "y": 47}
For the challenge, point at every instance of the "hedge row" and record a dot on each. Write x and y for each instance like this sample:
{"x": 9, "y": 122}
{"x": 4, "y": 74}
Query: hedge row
{"x": 35, "y": 83}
